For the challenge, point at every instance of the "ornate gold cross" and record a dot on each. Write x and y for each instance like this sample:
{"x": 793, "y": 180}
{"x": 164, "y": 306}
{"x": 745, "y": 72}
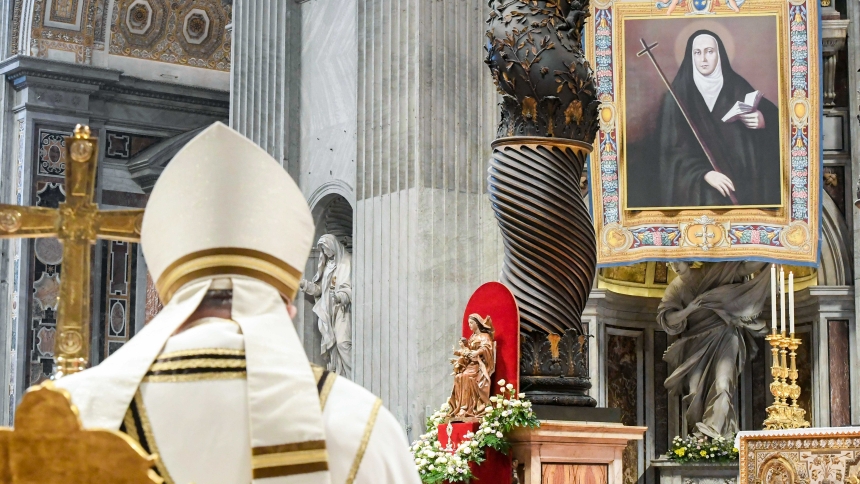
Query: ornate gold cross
{"x": 77, "y": 223}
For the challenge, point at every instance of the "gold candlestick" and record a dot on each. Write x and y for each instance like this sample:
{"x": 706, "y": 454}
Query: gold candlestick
{"x": 781, "y": 415}
{"x": 796, "y": 414}
{"x": 776, "y": 412}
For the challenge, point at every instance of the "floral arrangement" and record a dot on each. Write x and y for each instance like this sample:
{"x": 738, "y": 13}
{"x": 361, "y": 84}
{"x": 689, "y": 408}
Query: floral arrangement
{"x": 437, "y": 464}
{"x": 704, "y": 449}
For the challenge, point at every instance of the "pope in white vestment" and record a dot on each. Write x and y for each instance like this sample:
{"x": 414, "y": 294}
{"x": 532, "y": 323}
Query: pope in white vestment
{"x": 218, "y": 384}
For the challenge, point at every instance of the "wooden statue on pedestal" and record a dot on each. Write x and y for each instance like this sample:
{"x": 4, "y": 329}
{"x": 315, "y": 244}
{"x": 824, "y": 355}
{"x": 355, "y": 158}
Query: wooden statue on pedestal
{"x": 473, "y": 371}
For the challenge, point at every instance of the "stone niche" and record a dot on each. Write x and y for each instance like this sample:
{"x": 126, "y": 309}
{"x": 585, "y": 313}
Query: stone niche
{"x": 332, "y": 214}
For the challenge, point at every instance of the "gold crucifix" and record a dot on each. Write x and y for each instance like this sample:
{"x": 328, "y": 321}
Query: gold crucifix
{"x": 77, "y": 223}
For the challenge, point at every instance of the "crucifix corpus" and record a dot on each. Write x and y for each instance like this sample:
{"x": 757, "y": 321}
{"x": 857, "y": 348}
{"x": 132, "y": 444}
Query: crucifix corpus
{"x": 77, "y": 223}
{"x": 647, "y": 50}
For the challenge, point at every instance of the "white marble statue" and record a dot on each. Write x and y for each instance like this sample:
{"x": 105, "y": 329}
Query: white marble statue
{"x": 331, "y": 287}
{"x": 714, "y": 311}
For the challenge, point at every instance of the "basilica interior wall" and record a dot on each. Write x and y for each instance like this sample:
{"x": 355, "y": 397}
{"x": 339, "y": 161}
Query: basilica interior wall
{"x": 65, "y": 73}
{"x": 425, "y": 235}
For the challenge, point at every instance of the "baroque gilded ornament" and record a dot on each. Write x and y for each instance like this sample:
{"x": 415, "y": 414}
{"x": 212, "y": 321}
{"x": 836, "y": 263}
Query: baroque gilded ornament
{"x": 47, "y": 424}
{"x": 77, "y": 223}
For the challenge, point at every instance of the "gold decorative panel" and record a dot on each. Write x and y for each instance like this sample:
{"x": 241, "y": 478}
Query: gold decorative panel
{"x": 810, "y": 456}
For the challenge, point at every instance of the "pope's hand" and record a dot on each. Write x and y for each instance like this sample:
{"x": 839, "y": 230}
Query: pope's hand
{"x": 720, "y": 182}
{"x": 753, "y": 120}
{"x": 303, "y": 285}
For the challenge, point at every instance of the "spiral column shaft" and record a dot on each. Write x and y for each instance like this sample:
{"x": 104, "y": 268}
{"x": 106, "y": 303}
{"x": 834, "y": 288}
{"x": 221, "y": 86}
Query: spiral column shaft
{"x": 550, "y": 258}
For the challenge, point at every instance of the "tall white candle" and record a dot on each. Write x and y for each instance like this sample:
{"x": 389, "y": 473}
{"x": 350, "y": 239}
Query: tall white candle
{"x": 782, "y": 299}
{"x": 791, "y": 302}
{"x": 773, "y": 296}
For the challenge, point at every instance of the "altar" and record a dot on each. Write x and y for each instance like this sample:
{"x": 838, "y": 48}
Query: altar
{"x": 822, "y": 455}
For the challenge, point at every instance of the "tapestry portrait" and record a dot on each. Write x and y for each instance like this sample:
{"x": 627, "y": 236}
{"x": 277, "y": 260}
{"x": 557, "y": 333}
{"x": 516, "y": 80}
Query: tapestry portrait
{"x": 709, "y": 140}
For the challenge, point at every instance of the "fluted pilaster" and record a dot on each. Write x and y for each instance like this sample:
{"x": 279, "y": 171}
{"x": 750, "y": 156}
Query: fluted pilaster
{"x": 264, "y": 101}
{"x": 425, "y": 234}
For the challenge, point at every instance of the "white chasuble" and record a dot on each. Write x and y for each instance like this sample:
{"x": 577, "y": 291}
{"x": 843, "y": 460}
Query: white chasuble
{"x": 190, "y": 399}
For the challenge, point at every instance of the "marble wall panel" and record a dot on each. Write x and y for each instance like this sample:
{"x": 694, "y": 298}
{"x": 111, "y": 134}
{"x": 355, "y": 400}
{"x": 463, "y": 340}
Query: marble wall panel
{"x": 329, "y": 80}
{"x": 661, "y": 395}
{"x": 425, "y": 102}
{"x": 117, "y": 302}
{"x": 805, "y": 371}
{"x": 578, "y": 473}
{"x": 840, "y": 366}
{"x": 623, "y": 392}
{"x": 760, "y": 375}
{"x": 46, "y": 255}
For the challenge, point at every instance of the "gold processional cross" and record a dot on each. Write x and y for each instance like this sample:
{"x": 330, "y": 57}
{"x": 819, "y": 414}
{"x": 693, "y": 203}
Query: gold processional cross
{"x": 77, "y": 223}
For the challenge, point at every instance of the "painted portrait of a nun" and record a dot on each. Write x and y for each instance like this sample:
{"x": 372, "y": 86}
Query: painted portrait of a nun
{"x": 745, "y": 147}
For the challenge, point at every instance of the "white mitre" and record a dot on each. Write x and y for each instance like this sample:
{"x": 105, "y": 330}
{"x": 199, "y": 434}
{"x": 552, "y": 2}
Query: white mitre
{"x": 224, "y": 206}
{"x": 224, "y": 212}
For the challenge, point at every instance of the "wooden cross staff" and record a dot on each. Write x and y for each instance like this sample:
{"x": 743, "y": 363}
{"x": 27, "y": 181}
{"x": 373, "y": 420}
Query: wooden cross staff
{"x": 78, "y": 223}
{"x": 646, "y": 49}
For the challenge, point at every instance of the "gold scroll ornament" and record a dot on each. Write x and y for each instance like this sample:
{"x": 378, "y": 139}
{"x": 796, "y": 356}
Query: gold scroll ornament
{"x": 48, "y": 446}
{"x": 77, "y": 223}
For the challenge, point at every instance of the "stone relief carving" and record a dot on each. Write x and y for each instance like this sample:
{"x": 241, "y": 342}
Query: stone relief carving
{"x": 331, "y": 288}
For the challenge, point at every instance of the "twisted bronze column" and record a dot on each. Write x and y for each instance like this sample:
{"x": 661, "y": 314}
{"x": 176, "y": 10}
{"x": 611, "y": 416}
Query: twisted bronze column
{"x": 548, "y": 122}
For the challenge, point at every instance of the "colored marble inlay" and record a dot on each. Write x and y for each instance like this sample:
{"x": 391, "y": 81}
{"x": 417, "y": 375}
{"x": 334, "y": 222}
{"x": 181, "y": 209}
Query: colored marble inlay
{"x": 840, "y": 382}
{"x": 623, "y": 393}
{"x": 52, "y": 154}
{"x": 804, "y": 374}
{"x": 661, "y": 395}
{"x": 119, "y": 269}
{"x": 124, "y": 146}
{"x": 760, "y": 375}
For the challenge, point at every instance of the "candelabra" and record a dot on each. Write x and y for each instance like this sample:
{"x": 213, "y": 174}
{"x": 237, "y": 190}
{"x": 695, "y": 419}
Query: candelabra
{"x": 782, "y": 415}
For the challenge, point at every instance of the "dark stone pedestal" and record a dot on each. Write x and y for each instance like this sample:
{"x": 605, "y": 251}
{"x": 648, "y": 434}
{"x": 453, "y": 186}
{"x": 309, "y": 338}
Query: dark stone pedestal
{"x": 578, "y": 414}
{"x": 671, "y": 472}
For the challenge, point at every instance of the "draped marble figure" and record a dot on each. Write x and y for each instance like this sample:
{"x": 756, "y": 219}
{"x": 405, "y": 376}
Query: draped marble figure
{"x": 331, "y": 287}
{"x": 473, "y": 371}
{"x": 713, "y": 310}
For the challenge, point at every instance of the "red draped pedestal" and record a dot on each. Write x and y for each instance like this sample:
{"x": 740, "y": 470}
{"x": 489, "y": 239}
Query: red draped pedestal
{"x": 495, "y": 300}
{"x": 496, "y": 469}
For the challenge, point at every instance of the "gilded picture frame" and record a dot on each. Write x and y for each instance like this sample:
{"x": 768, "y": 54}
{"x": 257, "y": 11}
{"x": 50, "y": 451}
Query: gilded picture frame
{"x": 782, "y": 228}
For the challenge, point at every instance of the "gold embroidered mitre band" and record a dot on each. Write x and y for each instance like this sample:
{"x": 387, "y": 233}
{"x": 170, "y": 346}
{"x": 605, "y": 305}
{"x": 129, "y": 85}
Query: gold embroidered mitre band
{"x": 224, "y": 207}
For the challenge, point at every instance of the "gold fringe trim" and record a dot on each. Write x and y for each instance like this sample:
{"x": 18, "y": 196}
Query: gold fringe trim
{"x": 368, "y": 429}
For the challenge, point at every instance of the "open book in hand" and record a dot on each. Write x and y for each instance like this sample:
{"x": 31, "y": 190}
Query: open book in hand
{"x": 748, "y": 105}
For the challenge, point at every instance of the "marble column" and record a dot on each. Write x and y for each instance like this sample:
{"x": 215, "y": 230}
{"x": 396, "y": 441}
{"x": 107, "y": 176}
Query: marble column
{"x": 265, "y": 76}
{"x": 425, "y": 236}
{"x": 425, "y": 113}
